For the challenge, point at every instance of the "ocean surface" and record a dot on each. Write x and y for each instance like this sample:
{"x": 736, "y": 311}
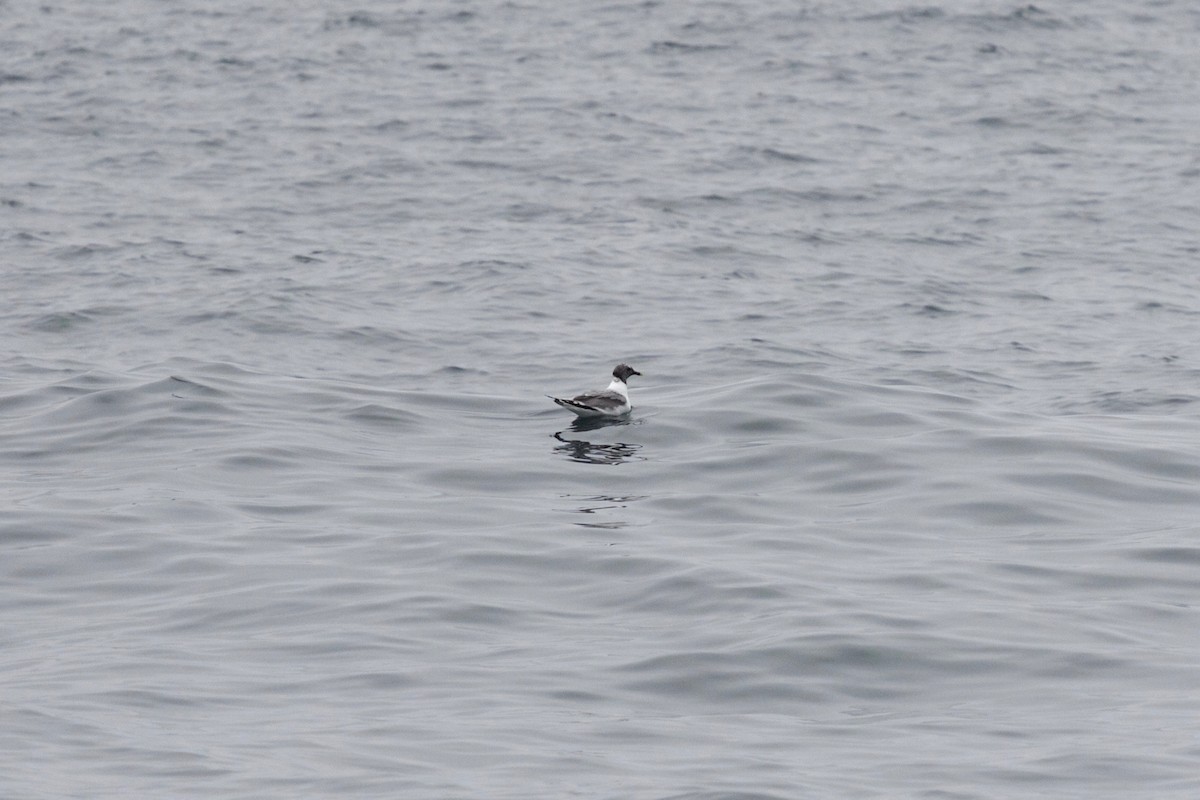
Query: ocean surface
{"x": 909, "y": 502}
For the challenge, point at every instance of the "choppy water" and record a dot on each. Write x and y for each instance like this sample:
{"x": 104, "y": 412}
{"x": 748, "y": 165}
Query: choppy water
{"x": 908, "y": 505}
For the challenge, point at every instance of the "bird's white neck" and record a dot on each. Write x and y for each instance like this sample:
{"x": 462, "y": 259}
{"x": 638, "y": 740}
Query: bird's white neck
{"x": 619, "y": 387}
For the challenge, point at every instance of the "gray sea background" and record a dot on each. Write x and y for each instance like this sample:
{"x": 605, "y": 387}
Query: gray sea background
{"x": 909, "y": 502}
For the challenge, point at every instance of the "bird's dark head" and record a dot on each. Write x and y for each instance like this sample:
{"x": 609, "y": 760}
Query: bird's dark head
{"x": 622, "y": 372}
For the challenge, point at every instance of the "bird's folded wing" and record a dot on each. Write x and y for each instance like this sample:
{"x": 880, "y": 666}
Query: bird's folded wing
{"x": 601, "y": 401}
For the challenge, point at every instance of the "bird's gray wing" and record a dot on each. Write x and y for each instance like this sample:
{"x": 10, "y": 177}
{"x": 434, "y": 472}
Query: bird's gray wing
{"x": 601, "y": 401}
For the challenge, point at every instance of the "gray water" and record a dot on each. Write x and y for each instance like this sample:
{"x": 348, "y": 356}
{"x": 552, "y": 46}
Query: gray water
{"x": 908, "y": 504}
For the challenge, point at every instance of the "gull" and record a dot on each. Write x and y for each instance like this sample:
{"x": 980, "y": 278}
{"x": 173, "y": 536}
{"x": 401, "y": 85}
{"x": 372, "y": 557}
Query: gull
{"x": 610, "y": 402}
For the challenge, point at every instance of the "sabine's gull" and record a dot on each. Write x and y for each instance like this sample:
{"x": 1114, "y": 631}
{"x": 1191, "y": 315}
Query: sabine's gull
{"x": 610, "y": 402}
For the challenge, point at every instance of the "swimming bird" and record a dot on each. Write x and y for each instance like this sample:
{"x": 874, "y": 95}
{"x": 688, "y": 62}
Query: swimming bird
{"x": 610, "y": 402}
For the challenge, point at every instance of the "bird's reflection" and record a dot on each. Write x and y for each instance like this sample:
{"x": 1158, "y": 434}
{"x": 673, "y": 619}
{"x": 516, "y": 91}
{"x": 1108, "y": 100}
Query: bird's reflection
{"x": 584, "y": 424}
{"x": 587, "y": 452}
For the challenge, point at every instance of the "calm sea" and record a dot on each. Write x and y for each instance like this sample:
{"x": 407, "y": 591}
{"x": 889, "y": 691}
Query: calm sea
{"x": 909, "y": 502}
